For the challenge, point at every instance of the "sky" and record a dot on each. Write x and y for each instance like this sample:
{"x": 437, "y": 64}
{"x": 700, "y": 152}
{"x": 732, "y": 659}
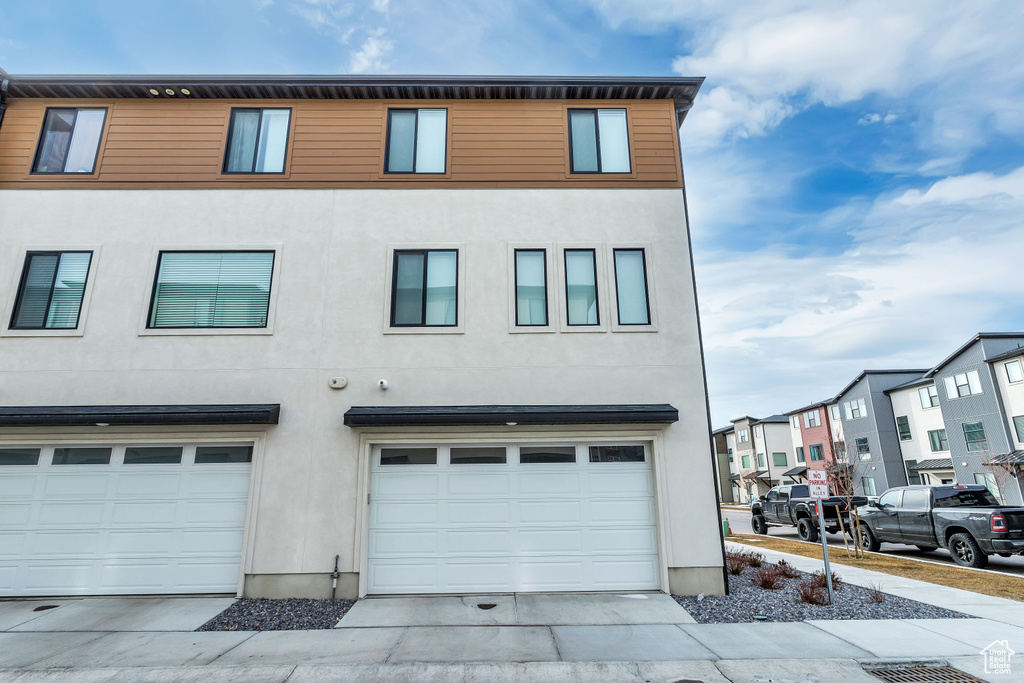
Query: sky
{"x": 854, "y": 169}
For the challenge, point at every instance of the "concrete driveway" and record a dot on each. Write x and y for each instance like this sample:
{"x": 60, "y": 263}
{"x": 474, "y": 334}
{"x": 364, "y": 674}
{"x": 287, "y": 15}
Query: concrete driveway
{"x": 109, "y": 614}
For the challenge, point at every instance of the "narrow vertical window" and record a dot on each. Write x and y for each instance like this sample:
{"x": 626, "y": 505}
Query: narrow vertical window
{"x": 212, "y": 289}
{"x": 903, "y": 427}
{"x": 257, "y": 141}
{"x": 531, "y": 287}
{"x": 416, "y": 141}
{"x": 424, "y": 288}
{"x": 938, "y": 441}
{"x": 51, "y": 290}
{"x": 581, "y": 286}
{"x": 70, "y": 141}
{"x": 599, "y": 141}
{"x": 631, "y": 287}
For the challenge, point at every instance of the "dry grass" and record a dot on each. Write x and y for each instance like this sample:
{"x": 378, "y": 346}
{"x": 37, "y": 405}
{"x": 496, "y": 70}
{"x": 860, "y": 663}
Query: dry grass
{"x": 998, "y": 585}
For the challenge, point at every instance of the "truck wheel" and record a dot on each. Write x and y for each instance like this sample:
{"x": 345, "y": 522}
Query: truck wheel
{"x": 927, "y": 548}
{"x": 758, "y": 524}
{"x": 867, "y": 539}
{"x": 806, "y": 531}
{"x": 965, "y": 551}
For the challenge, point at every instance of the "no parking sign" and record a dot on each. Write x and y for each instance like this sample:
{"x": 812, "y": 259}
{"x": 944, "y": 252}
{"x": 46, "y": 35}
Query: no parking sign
{"x": 817, "y": 483}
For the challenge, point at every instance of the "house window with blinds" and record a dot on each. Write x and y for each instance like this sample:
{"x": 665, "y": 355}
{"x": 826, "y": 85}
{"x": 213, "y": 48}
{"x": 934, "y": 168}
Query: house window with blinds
{"x": 212, "y": 289}
{"x": 51, "y": 290}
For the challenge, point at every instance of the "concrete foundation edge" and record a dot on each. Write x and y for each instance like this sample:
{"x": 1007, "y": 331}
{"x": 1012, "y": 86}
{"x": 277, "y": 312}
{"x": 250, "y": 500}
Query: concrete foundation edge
{"x": 696, "y": 580}
{"x": 313, "y": 586}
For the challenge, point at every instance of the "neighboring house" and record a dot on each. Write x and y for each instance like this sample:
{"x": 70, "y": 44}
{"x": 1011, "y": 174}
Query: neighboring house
{"x": 871, "y": 441}
{"x": 773, "y": 446}
{"x": 443, "y": 329}
{"x": 921, "y": 432}
{"x": 978, "y": 402}
{"x": 812, "y": 425}
{"x": 751, "y": 477}
{"x": 797, "y": 473}
{"x": 723, "y": 460}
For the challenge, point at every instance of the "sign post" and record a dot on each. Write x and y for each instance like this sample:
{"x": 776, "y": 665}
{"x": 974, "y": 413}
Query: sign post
{"x": 818, "y": 486}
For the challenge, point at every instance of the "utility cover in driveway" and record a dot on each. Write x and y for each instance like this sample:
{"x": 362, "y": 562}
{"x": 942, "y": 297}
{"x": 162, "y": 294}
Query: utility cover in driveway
{"x": 513, "y": 518}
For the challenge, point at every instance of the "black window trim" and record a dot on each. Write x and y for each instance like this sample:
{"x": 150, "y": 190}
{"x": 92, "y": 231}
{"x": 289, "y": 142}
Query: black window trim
{"x": 597, "y": 289}
{"x": 24, "y": 277}
{"x": 415, "y": 140}
{"x": 597, "y": 138}
{"x": 515, "y": 267}
{"x": 259, "y": 127}
{"x": 99, "y": 143}
{"x": 423, "y": 302}
{"x": 156, "y": 276}
{"x": 647, "y": 293}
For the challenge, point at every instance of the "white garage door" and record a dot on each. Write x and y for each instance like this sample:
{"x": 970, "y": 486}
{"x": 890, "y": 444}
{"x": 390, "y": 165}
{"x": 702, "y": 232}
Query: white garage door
{"x": 122, "y": 519}
{"x": 458, "y": 519}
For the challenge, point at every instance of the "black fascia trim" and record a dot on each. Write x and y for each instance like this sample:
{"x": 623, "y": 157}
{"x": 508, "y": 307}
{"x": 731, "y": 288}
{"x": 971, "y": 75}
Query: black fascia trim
{"x": 30, "y": 416}
{"x": 423, "y": 416}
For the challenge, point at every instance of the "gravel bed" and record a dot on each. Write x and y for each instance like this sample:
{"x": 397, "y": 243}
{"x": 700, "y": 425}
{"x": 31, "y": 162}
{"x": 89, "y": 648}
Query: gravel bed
{"x": 292, "y": 614}
{"x": 747, "y": 599}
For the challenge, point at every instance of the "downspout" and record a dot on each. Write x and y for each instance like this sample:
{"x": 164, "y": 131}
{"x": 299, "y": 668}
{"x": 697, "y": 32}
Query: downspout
{"x": 681, "y": 110}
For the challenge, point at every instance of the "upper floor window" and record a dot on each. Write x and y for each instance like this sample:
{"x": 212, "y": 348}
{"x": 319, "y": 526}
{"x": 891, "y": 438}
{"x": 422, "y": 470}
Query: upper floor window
{"x": 812, "y": 419}
{"x": 730, "y": 455}
{"x": 929, "y": 396}
{"x": 855, "y": 409}
{"x": 416, "y": 141}
{"x": 581, "y": 287}
{"x": 70, "y": 141}
{"x": 531, "y": 287}
{"x": 1013, "y": 372}
{"x": 974, "y": 434}
{"x": 257, "y": 140}
{"x": 51, "y": 290}
{"x": 779, "y": 459}
{"x": 760, "y": 460}
{"x": 963, "y": 384}
{"x": 743, "y": 436}
{"x": 903, "y": 427}
{"x": 800, "y": 454}
{"x": 631, "y": 287}
{"x": 757, "y": 431}
{"x": 834, "y": 412}
{"x": 424, "y": 288}
{"x": 211, "y": 289}
{"x": 1018, "y": 426}
{"x": 817, "y": 454}
{"x": 937, "y": 439}
{"x": 745, "y": 462}
{"x": 795, "y": 421}
{"x": 863, "y": 449}
{"x": 598, "y": 141}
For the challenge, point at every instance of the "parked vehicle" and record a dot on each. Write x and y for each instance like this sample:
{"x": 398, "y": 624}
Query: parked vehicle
{"x": 792, "y": 505}
{"x": 968, "y": 520}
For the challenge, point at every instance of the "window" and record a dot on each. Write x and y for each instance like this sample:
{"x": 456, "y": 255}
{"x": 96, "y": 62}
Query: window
{"x": 546, "y": 454}
{"x": 152, "y": 455}
{"x": 929, "y": 396}
{"x": 1013, "y": 372}
{"x": 963, "y": 384}
{"x": 913, "y": 476}
{"x": 800, "y": 454}
{"x": 81, "y": 456}
{"x": 889, "y": 499}
{"x": 257, "y": 141}
{"x": 937, "y": 439}
{"x": 616, "y": 454}
{"x": 424, "y": 288}
{"x": 760, "y": 460}
{"x": 757, "y": 431}
{"x": 211, "y": 289}
{"x": 903, "y": 427}
{"x": 855, "y": 409}
{"x": 478, "y": 455}
{"x": 915, "y": 499}
{"x": 19, "y": 456}
{"x": 1018, "y": 425}
{"x": 417, "y": 139}
{"x": 817, "y": 454}
{"x": 743, "y": 436}
{"x": 863, "y": 450}
{"x": 598, "y": 141}
{"x": 745, "y": 461}
{"x": 868, "y": 483}
{"x": 795, "y": 421}
{"x": 213, "y": 455}
{"x": 988, "y": 480}
{"x": 812, "y": 419}
{"x": 974, "y": 433}
{"x": 631, "y": 287}
{"x": 408, "y": 456}
{"x": 834, "y": 412}
{"x": 70, "y": 141}
{"x": 581, "y": 287}
{"x": 779, "y": 459}
{"x": 730, "y": 455}
{"x": 531, "y": 287}
{"x": 51, "y": 290}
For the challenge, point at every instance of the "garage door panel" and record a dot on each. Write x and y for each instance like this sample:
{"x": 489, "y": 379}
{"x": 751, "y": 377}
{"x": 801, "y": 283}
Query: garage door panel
{"x": 633, "y": 573}
{"x": 620, "y": 483}
{"x": 623, "y": 541}
{"x": 404, "y": 514}
{"x": 406, "y": 485}
{"x": 18, "y": 486}
{"x": 620, "y": 511}
{"x": 550, "y": 512}
{"x": 549, "y": 483}
{"x": 12, "y": 544}
{"x": 58, "y": 577}
{"x": 66, "y": 544}
{"x": 233, "y": 483}
{"x": 478, "y": 543}
{"x": 16, "y": 515}
{"x": 206, "y": 577}
{"x": 128, "y": 543}
{"x": 210, "y": 542}
{"x": 479, "y": 483}
{"x": 215, "y": 512}
{"x": 135, "y": 577}
{"x": 478, "y": 512}
{"x": 539, "y": 575}
{"x": 149, "y": 484}
{"x": 551, "y": 541}
{"x": 403, "y": 543}
{"x": 8, "y": 576}
{"x": 139, "y": 513}
{"x": 477, "y": 576}
{"x": 70, "y": 514}
{"x": 402, "y": 576}
{"x": 76, "y": 485}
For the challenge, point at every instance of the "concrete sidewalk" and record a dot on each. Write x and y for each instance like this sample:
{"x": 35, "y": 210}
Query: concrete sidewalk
{"x": 820, "y": 651}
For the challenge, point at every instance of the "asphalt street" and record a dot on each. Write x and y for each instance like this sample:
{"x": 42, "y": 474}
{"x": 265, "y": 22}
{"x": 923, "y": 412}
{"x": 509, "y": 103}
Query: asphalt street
{"x": 739, "y": 521}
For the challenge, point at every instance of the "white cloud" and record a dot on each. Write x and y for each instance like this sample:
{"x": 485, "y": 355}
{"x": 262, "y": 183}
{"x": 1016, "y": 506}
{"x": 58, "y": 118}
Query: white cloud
{"x": 372, "y": 56}
{"x": 381, "y": 6}
{"x": 968, "y": 189}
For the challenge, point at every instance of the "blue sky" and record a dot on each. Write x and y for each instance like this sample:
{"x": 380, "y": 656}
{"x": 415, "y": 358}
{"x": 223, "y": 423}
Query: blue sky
{"x": 855, "y": 169}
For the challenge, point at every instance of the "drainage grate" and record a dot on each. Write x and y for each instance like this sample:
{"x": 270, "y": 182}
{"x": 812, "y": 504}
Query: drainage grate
{"x": 919, "y": 672}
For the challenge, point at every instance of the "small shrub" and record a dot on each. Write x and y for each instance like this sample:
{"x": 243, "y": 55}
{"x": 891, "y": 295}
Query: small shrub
{"x": 788, "y": 570}
{"x": 819, "y": 578}
{"x": 735, "y": 566}
{"x": 754, "y": 559}
{"x": 875, "y": 593}
{"x": 812, "y": 593}
{"x": 768, "y": 577}
{"x": 745, "y": 558}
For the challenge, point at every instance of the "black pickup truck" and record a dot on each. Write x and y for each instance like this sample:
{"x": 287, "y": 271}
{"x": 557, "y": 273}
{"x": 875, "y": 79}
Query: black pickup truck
{"x": 967, "y": 520}
{"x": 792, "y": 505}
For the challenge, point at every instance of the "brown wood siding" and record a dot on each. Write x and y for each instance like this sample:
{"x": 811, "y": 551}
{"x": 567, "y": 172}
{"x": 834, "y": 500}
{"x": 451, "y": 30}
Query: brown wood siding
{"x": 163, "y": 143}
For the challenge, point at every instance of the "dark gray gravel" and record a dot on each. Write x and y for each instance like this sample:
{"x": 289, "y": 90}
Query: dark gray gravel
{"x": 747, "y": 599}
{"x": 292, "y": 614}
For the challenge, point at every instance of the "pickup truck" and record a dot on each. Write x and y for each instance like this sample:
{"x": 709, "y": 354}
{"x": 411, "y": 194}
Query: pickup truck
{"x": 792, "y": 505}
{"x": 967, "y": 520}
